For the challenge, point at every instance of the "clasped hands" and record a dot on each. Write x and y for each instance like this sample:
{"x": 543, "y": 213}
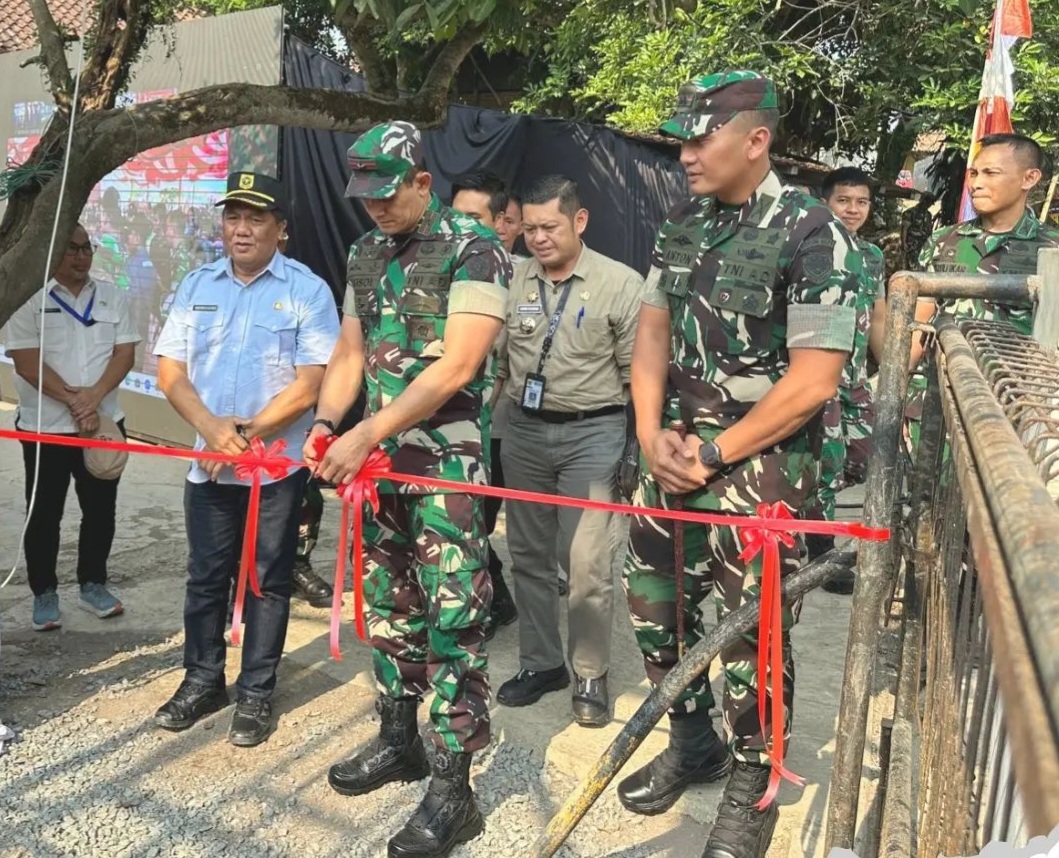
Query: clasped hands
{"x": 674, "y": 461}
{"x": 83, "y": 403}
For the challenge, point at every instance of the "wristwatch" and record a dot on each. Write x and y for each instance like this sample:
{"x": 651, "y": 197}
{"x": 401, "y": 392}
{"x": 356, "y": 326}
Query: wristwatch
{"x": 710, "y": 456}
{"x": 321, "y": 421}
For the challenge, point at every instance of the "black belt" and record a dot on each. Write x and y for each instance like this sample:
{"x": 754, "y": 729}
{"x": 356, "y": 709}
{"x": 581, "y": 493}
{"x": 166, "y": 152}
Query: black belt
{"x": 572, "y": 416}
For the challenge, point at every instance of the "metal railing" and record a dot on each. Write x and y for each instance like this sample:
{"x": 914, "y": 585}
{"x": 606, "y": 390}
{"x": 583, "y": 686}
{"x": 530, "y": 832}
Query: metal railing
{"x": 973, "y": 745}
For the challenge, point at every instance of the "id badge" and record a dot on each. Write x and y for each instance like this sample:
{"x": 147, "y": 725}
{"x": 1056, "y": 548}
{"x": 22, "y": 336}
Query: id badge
{"x": 533, "y": 392}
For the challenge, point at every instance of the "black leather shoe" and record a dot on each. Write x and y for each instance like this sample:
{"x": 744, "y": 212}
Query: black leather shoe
{"x": 695, "y": 755}
{"x": 529, "y": 686}
{"x": 396, "y": 754}
{"x": 740, "y": 829}
{"x": 251, "y": 723}
{"x": 310, "y": 587}
{"x": 191, "y": 703}
{"x": 447, "y": 815}
{"x": 591, "y": 704}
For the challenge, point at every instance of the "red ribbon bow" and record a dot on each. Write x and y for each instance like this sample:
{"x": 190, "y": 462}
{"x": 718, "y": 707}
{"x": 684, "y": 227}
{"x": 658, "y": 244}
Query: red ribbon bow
{"x": 249, "y": 466}
{"x": 756, "y": 540}
{"x": 362, "y": 489}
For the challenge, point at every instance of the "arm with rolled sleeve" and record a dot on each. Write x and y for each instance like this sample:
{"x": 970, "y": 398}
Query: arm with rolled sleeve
{"x": 821, "y": 317}
{"x": 315, "y": 342}
{"x": 926, "y": 308}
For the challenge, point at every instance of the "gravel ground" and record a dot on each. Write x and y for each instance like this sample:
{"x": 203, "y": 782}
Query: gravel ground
{"x": 90, "y": 777}
{"x": 98, "y": 780}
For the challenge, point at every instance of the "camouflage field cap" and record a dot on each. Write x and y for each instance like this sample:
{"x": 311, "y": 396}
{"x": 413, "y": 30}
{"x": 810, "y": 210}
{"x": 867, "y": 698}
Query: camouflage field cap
{"x": 708, "y": 102}
{"x": 381, "y": 158}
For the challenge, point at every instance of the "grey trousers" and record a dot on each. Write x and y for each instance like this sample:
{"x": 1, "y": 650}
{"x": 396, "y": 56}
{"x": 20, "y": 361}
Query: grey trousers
{"x": 577, "y": 459}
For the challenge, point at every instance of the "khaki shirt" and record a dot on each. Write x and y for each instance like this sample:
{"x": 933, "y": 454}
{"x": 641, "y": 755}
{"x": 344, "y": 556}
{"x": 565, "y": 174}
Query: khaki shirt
{"x": 588, "y": 365}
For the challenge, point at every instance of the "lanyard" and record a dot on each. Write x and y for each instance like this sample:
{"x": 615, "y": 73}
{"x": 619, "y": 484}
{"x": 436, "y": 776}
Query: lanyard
{"x": 86, "y": 319}
{"x": 553, "y": 324}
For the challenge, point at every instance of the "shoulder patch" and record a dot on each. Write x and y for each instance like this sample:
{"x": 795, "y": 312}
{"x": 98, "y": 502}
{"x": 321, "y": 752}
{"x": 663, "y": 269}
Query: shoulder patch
{"x": 480, "y": 266}
{"x": 818, "y": 264}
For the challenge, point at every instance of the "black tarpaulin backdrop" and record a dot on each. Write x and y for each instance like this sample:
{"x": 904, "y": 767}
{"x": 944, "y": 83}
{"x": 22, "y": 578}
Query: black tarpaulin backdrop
{"x": 626, "y": 186}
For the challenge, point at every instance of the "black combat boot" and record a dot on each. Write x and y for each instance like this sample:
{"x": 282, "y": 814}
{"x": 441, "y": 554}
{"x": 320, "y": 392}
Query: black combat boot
{"x": 696, "y": 755}
{"x": 310, "y": 587}
{"x": 740, "y": 829}
{"x": 447, "y": 815}
{"x": 396, "y": 754}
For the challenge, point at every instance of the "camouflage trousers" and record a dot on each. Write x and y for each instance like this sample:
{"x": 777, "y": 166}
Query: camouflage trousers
{"x": 847, "y": 425}
{"x": 309, "y": 526}
{"x": 711, "y": 564}
{"x": 428, "y": 592}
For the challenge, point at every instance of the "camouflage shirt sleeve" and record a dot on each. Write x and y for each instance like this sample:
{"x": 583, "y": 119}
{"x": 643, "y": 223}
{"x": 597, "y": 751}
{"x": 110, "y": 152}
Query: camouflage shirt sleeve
{"x": 875, "y": 269}
{"x": 480, "y": 279}
{"x": 823, "y": 282}
{"x": 930, "y": 249}
{"x": 927, "y": 256}
{"x": 349, "y": 303}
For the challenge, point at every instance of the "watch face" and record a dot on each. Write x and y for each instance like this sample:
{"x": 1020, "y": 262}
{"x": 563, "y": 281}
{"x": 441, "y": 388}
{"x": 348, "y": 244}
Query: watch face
{"x": 708, "y": 454}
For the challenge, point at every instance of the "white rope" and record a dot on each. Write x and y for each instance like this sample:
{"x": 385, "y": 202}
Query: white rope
{"x": 44, "y": 290}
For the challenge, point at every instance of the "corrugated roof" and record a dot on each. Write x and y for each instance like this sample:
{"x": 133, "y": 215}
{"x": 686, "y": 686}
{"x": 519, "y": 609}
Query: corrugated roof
{"x": 18, "y": 31}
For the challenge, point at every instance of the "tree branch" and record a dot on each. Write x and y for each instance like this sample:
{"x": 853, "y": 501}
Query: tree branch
{"x": 438, "y": 80}
{"x": 121, "y": 31}
{"x": 52, "y": 53}
{"x": 117, "y": 135}
{"x": 380, "y": 75}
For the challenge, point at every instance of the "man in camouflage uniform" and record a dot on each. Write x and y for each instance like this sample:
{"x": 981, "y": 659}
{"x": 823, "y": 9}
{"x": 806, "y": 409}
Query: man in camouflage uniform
{"x": 425, "y": 300}
{"x": 747, "y": 322}
{"x": 1004, "y": 238}
{"x": 848, "y": 418}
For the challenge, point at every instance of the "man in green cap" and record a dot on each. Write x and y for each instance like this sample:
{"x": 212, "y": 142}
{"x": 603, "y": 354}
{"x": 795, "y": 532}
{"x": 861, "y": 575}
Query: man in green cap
{"x": 746, "y": 324}
{"x": 425, "y": 300}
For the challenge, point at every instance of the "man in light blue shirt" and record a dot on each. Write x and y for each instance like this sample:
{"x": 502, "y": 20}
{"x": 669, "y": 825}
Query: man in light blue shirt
{"x": 241, "y": 356}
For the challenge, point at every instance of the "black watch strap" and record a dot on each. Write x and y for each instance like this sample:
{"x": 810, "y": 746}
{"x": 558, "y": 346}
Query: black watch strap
{"x": 322, "y": 421}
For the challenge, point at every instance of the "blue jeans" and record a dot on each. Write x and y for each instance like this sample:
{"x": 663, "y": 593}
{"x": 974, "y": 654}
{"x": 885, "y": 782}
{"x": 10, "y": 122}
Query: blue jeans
{"x": 215, "y": 516}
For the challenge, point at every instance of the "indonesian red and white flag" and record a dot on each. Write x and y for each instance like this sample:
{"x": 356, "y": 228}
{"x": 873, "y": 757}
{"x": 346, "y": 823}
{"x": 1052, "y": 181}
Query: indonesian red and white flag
{"x": 996, "y": 98}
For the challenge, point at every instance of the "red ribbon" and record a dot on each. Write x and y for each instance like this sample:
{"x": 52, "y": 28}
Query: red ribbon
{"x": 248, "y": 466}
{"x": 362, "y": 489}
{"x": 757, "y": 539}
{"x": 764, "y": 533}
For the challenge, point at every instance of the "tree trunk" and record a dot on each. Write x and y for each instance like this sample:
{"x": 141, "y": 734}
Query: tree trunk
{"x": 104, "y": 141}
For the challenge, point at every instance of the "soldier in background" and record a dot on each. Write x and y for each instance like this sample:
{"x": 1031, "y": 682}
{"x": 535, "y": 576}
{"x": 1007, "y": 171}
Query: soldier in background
{"x": 747, "y": 322}
{"x": 305, "y": 583}
{"x": 1004, "y": 237}
{"x": 484, "y": 197}
{"x": 848, "y": 418}
{"x": 424, "y": 304}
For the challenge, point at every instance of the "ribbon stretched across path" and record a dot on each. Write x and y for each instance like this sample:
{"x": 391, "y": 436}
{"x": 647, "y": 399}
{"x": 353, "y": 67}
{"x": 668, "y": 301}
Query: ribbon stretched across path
{"x": 760, "y": 535}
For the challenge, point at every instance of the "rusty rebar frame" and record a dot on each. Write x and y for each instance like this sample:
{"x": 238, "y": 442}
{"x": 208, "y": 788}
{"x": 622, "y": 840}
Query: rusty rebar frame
{"x": 1022, "y": 599}
{"x": 877, "y": 561}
